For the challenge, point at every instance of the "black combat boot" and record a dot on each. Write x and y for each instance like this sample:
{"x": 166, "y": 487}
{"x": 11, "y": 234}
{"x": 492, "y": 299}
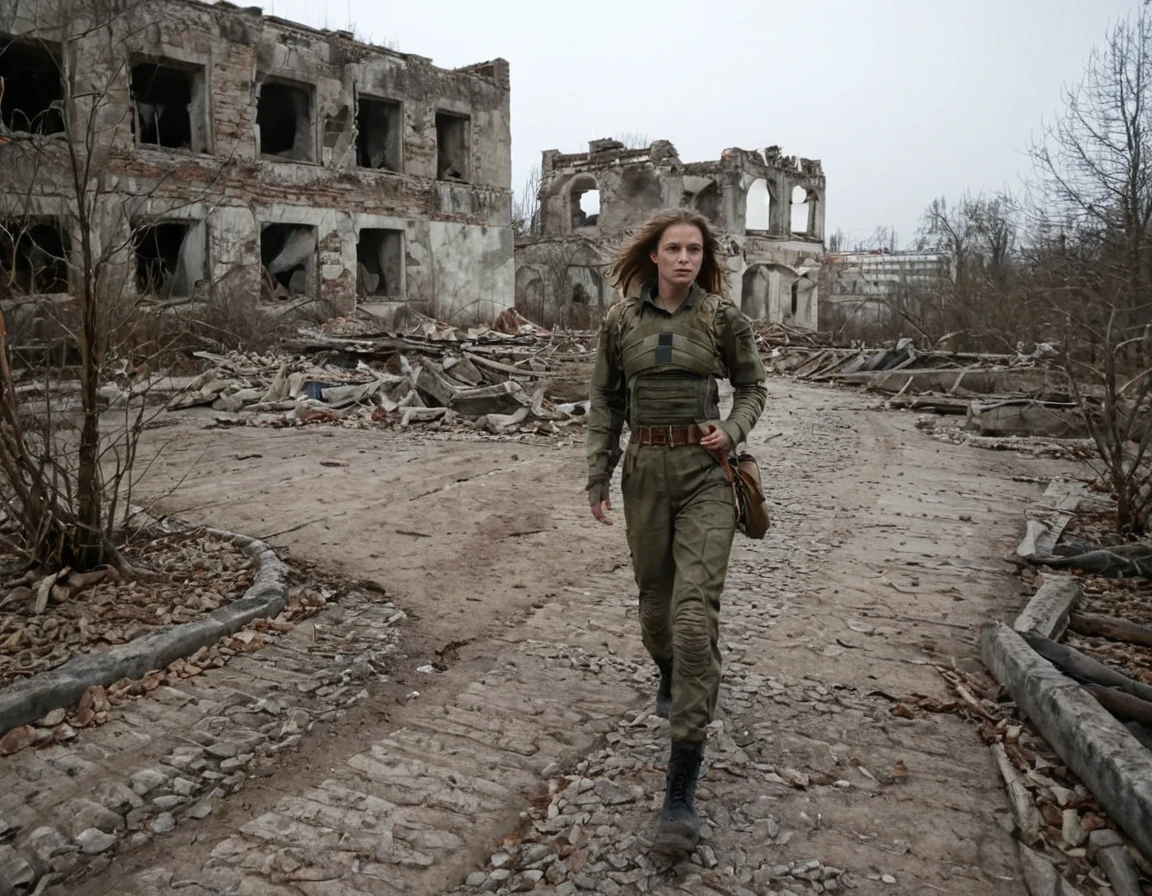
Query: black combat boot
{"x": 664, "y": 692}
{"x": 679, "y": 827}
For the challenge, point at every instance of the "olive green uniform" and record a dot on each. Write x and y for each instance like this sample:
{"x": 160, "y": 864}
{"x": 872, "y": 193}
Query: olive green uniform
{"x": 655, "y": 368}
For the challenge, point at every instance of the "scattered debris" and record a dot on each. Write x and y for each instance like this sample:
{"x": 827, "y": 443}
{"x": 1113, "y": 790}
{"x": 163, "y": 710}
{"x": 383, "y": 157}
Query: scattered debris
{"x": 513, "y": 377}
{"x": 46, "y": 620}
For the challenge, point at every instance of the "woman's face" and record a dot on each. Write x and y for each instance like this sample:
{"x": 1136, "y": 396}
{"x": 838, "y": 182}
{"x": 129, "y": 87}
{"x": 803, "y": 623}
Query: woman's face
{"x": 679, "y": 254}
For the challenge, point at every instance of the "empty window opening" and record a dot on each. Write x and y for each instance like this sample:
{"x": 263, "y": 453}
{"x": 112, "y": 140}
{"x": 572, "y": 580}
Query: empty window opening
{"x": 284, "y": 121}
{"x": 169, "y": 259}
{"x": 585, "y": 200}
{"x": 288, "y": 253}
{"x": 33, "y": 257}
{"x": 707, "y": 202}
{"x": 380, "y": 262}
{"x": 33, "y": 91}
{"x": 378, "y": 125}
{"x": 759, "y": 203}
{"x": 802, "y": 207}
{"x": 451, "y": 146}
{"x": 169, "y": 105}
{"x": 754, "y": 292}
{"x": 795, "y": 297}
{"x": 584, "y": 285}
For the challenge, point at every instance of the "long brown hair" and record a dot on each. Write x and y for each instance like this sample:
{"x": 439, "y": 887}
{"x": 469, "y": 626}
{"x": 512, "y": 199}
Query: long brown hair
{"x": 633, "y": 262}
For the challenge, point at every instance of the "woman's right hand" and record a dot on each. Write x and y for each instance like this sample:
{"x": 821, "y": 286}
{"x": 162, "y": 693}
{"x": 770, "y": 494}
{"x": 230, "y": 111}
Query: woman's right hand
{"x": 600, "y": 511}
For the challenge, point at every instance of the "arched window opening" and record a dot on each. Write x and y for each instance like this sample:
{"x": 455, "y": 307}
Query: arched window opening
{"x": 802, "y": 205}
{"x": 759, "y": 202}
{"x": 707, "y": 202}
{"x": 754, "y": 292}
{"x": 795, "y": 297}
{"x": 585, "y": 203}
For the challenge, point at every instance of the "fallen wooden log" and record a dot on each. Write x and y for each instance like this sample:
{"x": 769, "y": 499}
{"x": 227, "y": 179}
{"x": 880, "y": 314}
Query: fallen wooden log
{"x": 1083, "y": 668}
{"x": 1126, "y": 561}
{"x": 1126, "y": 707}
{"x": 505, "y": 368}
{"x": 1142, "y": 733}
{"x": 1111, "y": 627}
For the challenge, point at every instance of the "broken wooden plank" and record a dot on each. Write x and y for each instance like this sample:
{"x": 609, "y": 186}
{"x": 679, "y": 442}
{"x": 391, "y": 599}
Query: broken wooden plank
{"x": 1028, "y": 821}
{"x": 504, "y": 368}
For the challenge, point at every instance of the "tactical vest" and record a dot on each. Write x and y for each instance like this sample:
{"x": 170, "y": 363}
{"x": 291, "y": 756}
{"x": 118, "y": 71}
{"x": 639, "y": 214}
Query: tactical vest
{"x": 669, "y": 363}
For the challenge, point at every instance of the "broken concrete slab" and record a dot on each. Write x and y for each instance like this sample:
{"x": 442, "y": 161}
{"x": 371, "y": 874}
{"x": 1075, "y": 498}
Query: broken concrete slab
{"x": 1025, "y": 418}
{"x": 434, "y": 387}
{"x": 1048, "y": 610}
{"x": 950, "y": 380}
{"x": 502, "y": 398}
{"x": 1048, "y": 518}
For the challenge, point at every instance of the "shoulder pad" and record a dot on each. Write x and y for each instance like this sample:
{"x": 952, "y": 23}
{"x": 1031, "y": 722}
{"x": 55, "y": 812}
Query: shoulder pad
{"x": 614, "y": 317}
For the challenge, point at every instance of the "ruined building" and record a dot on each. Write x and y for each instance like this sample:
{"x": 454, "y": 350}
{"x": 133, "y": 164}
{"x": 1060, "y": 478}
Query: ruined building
{"x": 865, "y": 288}
{"x": 245, "y": 156}
{"x": 768, "y": 210}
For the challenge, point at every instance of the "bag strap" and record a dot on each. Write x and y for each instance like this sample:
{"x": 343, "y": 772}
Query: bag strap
{"x": 722, "y": 456}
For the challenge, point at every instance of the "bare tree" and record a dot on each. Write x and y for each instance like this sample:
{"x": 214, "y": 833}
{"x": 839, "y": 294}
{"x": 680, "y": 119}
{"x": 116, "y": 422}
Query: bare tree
{"x": 968, "y": 301}
{"x": 65, "y": 482}
{"x": 633, "y": 139}
{"x": 1091, "y": 260}
{"x": 559, "y": 257}
{"x": 526, "y": 206}
{"x": 1095, "y": 165}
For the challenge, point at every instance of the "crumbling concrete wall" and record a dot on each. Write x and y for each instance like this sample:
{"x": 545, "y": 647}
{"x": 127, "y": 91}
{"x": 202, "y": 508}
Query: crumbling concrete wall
{"x": 772, "y": 270}
{"x": 562, "y": 282}
{"x": 252, "y": 132}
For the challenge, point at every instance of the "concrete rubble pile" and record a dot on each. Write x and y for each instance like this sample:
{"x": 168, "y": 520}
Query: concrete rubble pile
{"x": 512, "y": 377}
{"x": 1019, "y": 395}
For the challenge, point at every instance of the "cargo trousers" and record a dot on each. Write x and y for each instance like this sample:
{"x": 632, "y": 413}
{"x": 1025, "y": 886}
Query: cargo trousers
{"x": 681, "y": 521}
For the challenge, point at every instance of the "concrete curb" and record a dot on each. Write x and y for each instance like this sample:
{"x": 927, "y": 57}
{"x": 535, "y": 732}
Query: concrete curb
{"x": 1048, "y": 610}
{"x": 1096, "y": 746}
{"x": 33, "y": 698}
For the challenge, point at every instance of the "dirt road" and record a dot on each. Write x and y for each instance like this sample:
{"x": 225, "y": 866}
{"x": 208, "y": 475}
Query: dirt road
{"x": 532, "y": 760}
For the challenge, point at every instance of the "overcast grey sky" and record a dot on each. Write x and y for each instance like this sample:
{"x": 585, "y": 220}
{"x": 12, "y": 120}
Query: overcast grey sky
{"x": 903, "y": 100}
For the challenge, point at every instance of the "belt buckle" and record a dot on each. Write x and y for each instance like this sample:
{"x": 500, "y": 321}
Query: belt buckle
{"x": 659, "y": 436}
{"x": 671, "y": 436}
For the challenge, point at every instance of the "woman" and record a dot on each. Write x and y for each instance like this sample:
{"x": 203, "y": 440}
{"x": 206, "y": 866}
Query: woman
{"x": 656, "y": 367}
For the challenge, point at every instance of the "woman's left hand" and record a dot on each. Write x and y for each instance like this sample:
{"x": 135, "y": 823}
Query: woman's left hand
{"x": 717, "y": 439}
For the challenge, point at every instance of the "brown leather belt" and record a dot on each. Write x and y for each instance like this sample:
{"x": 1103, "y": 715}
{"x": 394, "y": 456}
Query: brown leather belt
{"x": 667, "y": 436}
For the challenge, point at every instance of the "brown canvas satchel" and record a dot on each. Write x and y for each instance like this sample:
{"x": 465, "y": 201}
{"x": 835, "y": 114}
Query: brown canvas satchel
{"x": 747, "y": 493}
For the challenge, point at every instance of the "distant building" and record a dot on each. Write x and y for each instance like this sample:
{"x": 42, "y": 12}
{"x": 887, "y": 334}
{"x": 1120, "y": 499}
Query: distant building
{"x": 861, "y": 287}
